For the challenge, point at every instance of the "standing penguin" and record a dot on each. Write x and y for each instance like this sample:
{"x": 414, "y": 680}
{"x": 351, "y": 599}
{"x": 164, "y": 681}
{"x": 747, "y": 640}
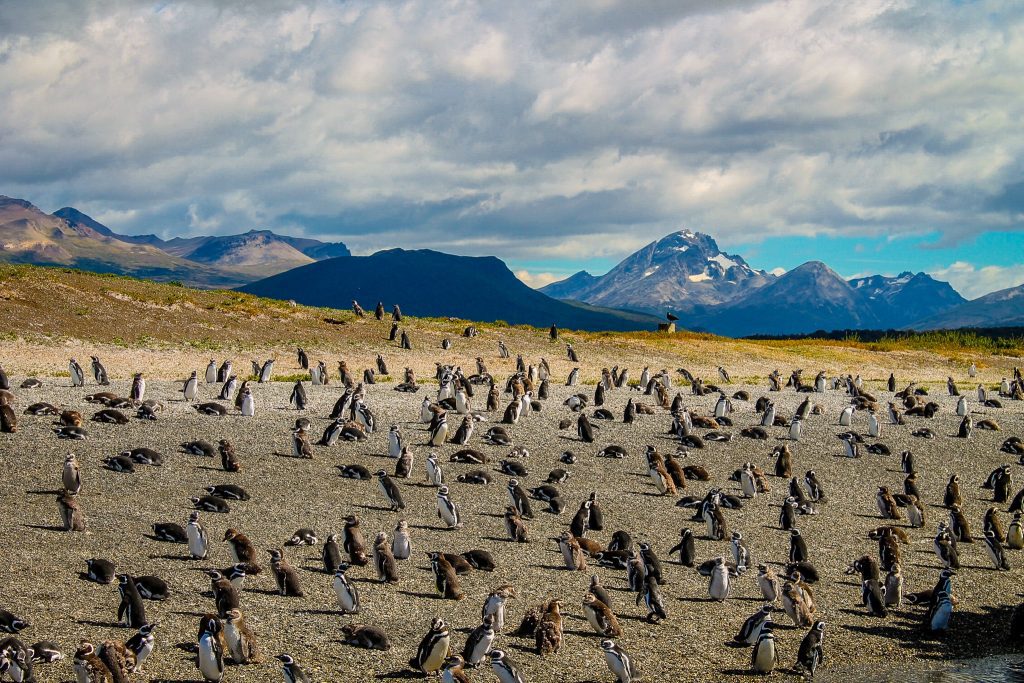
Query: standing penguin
{"x": 584, "y": 429}
{"x": 345, "y": 590}
{"x": 811, "y": 651}
{"x": 298, "y": 398}
{"x": 138, "y": 392}
{"x": 433, "y": 648}
{"x": 764, "y": 656}
{"x": 685, "y": 548}
{"x": 211, "y": 648}
{"x": 211, "y": 372}
{"x": 479, "y": 642}
{"x": 239, "y": 640}
{"x": 390, "y": 491}
{"x": 191, "y": 387}
{"x": 284, "y": 574}
{"x": 401, "y": 544}
{"x": 75, "y": 371}
{"x": 198, "y": 543}
{"x": 619, "y": 663}
{"x": 447, "y": 510}
{"x": 291, "y": 671}
{"x": 384, "y": 560}
{"x": 248, "y": 408}
{"x": 131, "y": 612}
{"x": 504, "y": 668}
{"x": 72, "y": 517}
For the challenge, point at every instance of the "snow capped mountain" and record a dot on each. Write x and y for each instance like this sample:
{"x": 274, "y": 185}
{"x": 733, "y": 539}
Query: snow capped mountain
{"x": 900, "y": 300}
{"x": 680, "y": 272}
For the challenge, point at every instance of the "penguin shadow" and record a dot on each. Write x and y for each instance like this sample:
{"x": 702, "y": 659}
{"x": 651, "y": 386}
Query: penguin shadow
{"x": 414, "y": 594}
{"x": 491, "y": 514}
{"x": 263, "y": 591}
{"x": 425, "y": 527}
{"x": 186, "y": 646}
{"x": 153, "y": 537}
{"x": 313, "y": 568}
{"x": 749, "y": 673}
{"x": 187, "y": 613}
{"x": 376, "y": 508}
{"x": 320, "y": 612}
{"x": 42, "y": 492}
{"x": 552, "y": 567}
{"x": 180, "y": 558}
{"x": 44, "y": 527}
{"x": 207, "y": 467}
{"x": 401, "y": 673}
{"x": 99, "y": 624}
{"x": 496, "y": 539}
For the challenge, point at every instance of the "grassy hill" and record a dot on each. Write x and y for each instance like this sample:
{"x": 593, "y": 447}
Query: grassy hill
{"x": 50, "y": 314}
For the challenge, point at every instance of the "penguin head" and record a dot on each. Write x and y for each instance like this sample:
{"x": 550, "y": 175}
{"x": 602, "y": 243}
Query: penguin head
{"x": 497, "y": 655}
{"x": 285, "y": 659}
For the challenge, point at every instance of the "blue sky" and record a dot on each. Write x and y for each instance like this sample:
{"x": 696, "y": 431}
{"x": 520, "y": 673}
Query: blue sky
{"x": 880, "y": 135}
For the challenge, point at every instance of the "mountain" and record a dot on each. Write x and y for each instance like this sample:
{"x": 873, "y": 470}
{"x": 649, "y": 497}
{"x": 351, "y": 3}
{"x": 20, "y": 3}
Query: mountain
{"x": 1004, "y": 308}
{"x": 245, "y": 248}
{"x": 808, "y": 298}
{"x": 908, "y": 297}
{"x": 570, "y": 287}
{"x": 71, "y": 237}
{"x": 28, "y": 235}
{"x": 680, "y": 272}
{"x": 430, "y": 283}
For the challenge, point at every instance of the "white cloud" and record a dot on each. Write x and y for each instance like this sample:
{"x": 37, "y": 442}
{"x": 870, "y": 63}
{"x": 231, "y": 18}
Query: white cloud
{"x": 972, "y": 281}
{"x": 533, "y": 129}
{"x": 538, "y": 280}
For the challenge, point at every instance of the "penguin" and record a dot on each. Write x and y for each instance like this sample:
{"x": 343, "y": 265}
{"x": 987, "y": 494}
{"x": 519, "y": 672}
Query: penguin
{"x": 401, "y": 543}
{"x": 403, "y": 468}
{"x": 141, "y": 646}
{"x": 966, "y": 427}
{"x": 811, "y": 652}
{"x": 941, "y": 613}
{"x": 952, "y": 494}
{"x": 284, "y": 574}
{"x": 438, "y": 430}
{"x": 248, "y": 408}
{"x": 131, "y": 612}
{"x": 600, "y": 616}
{"x": 751, "y": 628}
{"x": 71, "y": 475}
{"x": 584, "y": 429}
{"x": 75, "y": 371}
{"x": 447, "y": 510}
{"x": 390, "y": 491}
{"x": 242, "y": 550}
{"x": 519, "y": 500}
{"x": 503, "y": 667}
{"x": 479, "y": 642}
{"x": 768, "y": 583}
{"x": 138, "y": 390}
{"x": 846, "y": 416}
{"x": 740, "y": 553}
{"x": 893, "y": 587}
{"x": 225, "y": 592}
{"x": 494, "y": 606}
{"x": 395, "y": 442}
{"x": 795, "y": 604}
{"x": 572, "y": 554}
{"x": 619, "y": 663}
{"x": 453, "y": 670}
{"x": 445, "y": 578}
{"x": 995, "y": 552}
{"x": 795, "y": 429}
{"x": 383, "y": 560}
{"x": 229, "y": 461}
{"x": 190, "y": 390}
{"x": 719, "y": 583}
{"x": 433, "y": 648}
{"x": 352, "y": 542}
{"x": 345, "y": 590}
{"x": 548, "y": 636}
{"x": 238, "y": 639}
{"x": 298, "y": 399}
{"x": 72, "y": 517}
{"x": 211, "y": 649}
{"x": 514, "y": 525}
{"x": 1015, "y": 533}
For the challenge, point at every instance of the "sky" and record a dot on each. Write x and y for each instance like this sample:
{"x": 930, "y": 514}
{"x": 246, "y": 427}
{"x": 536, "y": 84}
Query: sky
{"x": 877, "y": 136}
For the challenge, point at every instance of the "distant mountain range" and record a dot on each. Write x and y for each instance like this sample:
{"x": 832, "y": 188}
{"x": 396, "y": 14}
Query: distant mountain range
{"x": 430, "y": 283}
{"x": 69, "y": 237}
{"x": 687, "y": 274}
{"x": 684, "y": 273}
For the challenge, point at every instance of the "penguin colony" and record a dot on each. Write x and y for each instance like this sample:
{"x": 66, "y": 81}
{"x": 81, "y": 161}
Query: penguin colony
{"x": 451, "y": 489}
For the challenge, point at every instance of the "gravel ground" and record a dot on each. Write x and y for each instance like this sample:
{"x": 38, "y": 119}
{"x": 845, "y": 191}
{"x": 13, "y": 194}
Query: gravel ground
{"x": 41, "y": 565}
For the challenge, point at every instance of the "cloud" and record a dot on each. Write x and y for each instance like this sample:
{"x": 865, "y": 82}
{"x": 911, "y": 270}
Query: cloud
{"x": 538, "y": 280}
{"x": 547, "y": 130}
{"x": 973, "y": 281}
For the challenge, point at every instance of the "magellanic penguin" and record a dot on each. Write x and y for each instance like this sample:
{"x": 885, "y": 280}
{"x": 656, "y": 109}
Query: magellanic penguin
{"x": 390, "y": 491}
{"x": 445, "y": 579}
{"x": 504, "y": 668}
{"x": 71, "y": 475}
{"x": 384, "y": 560}
{"x": 600, "y": 616}
{"x": 548, "y": 637}
{"x": 685, "y": 548}
{"x": 191, "y": 387}
{"x": 211, "y": 648}
{"x": 447, "y": 510}
{"x": 141, "y": 645}
{"x": 401, "y": 542}
{"x": 811, "y": 651}
{"x": 764, "y": 656}
{"x": 71, "y": 515}
{"x": 433, "y": 649}
{"x": 619, "y": 663}
{"x": 284, "y": 574}
{"x": 750, "y": 631}
{"x": 239, "y": 640}
{"x": 198, "y": 543}
{"x": 345, "y": 591}
{"x": 292, "y": 672}
{"x": 479, "y": 642}
{"x": 131, "y": 612}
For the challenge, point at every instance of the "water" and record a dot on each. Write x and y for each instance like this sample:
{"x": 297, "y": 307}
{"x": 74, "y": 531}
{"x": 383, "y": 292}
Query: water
{"x": 995, "y": 669}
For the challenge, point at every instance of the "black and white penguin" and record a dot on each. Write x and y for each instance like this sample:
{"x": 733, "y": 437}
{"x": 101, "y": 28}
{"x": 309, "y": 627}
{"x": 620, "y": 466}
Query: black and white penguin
{"x": 751, "y": 628}
{"x": 504, "y": 668}
{"x": 433, "y": 648}
{"x": 619, "y": 663}
{"x": 995, "y": 552}
{"x": 390, "y": 490}
{"x": 142, "y": 645}
{"x": 811, "y": 651}
{"x": 447, "y": 510}
{"x": 764, "y": 656}
{"x": 292, "y": 672}
{"x": 210, "y": 660}
{"x": 479, "y": 642}
{"x": 384, "y": 560}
